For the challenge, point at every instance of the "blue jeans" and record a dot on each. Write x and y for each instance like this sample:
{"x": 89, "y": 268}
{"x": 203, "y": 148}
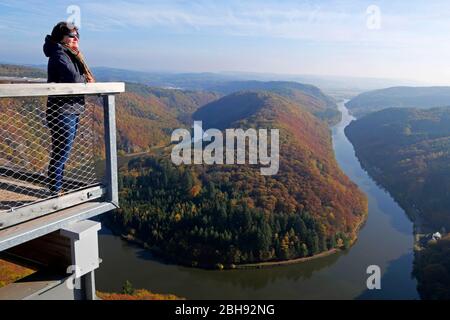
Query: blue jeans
{"x": 63, "y": 129}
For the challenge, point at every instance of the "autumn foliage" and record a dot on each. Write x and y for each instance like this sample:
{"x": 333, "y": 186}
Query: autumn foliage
{"x": 216, "y": 215}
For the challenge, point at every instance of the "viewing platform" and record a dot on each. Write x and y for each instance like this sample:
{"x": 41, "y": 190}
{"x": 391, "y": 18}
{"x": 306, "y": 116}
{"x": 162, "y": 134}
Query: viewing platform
{"x": 41, "y": 226}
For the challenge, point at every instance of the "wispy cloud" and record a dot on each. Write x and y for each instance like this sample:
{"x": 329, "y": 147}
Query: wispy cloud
{"x": 240, "y": 18}
{"x": 317, "y": 21}
{"x": 268, "y": 35}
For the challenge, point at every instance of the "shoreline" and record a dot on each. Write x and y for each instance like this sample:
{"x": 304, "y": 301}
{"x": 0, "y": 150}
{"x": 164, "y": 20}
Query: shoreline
{"x": 420, "y": 227}
{"x": 270, "y": 264}
{"x": 257, "y": 265}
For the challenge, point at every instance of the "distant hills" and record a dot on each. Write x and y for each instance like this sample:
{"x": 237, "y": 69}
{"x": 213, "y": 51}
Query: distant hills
{"x": 204, "y": 80}
{"x": 147, "y": 114}
{"x": 185, "y": 81}
{"x": 311, "y": 97}
{"x": 7, "y": 70}
{"x": 162, "y": 110}
{"x": 399, "y": 97}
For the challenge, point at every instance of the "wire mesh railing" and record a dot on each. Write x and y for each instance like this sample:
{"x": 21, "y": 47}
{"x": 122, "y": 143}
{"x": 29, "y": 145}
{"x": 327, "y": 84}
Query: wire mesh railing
{"x": 52, "y": 147}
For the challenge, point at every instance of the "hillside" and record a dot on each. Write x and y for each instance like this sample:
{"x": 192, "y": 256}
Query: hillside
{"x": 316, "y": 101}
{"x": 145, "y": 117}
{"x": 10, "y": 70}
{"x": 432, "y": 270}
{"x": 399, "y": 97}
{"x": 408, "y": 152}
{"x": 180, "y": 103}
{"x": 311, "y": 97}
{"x": 220, "y": 215}
{"x": 185, "y": 81}
{"x": 206, "y": 80}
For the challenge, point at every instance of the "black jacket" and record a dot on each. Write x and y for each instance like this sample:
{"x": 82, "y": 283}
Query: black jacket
{"x": 63, "y": 67}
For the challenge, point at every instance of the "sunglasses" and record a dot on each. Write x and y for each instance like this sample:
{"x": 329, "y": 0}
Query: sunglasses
{"x": 74, "y": 35}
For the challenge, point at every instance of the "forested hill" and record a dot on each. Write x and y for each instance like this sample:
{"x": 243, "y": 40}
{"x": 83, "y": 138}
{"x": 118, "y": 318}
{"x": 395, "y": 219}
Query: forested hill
{"x": 311, "y": 97}
{"x": 432, "y": 270}
{"x": 10, "y": 70}
{"x": 182, "y": 103}
{"x": 399, "y": 97}
{"x": 146, "y": 116}
{"x": 231, "y": 214}
{"x": 408, "y": 152}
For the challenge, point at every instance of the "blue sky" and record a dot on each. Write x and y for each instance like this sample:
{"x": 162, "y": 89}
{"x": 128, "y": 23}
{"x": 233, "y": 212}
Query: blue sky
{"x": 288, "y": 37}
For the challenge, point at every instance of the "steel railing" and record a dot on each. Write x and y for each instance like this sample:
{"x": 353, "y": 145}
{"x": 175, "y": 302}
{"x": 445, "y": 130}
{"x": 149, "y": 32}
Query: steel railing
{"x": 57, "y": 147}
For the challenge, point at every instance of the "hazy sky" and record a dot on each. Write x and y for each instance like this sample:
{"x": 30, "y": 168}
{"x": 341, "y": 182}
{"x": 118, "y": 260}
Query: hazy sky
{"x": 407, "y": 40}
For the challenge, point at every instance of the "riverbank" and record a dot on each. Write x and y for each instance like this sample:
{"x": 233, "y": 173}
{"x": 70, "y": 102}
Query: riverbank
{"x": 257, "y": 265}
{"x": 420, "y": 227}
{"x": 270, "y": 264}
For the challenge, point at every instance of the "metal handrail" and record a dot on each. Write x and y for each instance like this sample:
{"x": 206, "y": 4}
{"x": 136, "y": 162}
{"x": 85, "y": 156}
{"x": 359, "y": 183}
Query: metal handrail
{"x": 110, "y": 189}
{"x": 52, "y": 89}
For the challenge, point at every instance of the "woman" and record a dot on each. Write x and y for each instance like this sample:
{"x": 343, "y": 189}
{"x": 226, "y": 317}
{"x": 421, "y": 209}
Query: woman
{"x": 65, "y": 65}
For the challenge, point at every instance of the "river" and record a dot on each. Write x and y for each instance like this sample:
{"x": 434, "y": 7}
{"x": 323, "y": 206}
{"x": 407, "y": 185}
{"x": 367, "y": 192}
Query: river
{"x": 386, "y": 240}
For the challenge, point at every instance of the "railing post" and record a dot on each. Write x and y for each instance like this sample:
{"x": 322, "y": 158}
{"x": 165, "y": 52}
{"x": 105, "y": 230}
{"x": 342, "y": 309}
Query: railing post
{"x": 111, "y": 149}
{"x": 89, "y": 286}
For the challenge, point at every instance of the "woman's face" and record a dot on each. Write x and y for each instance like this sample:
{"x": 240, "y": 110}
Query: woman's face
{"x": 71, "y": 42}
